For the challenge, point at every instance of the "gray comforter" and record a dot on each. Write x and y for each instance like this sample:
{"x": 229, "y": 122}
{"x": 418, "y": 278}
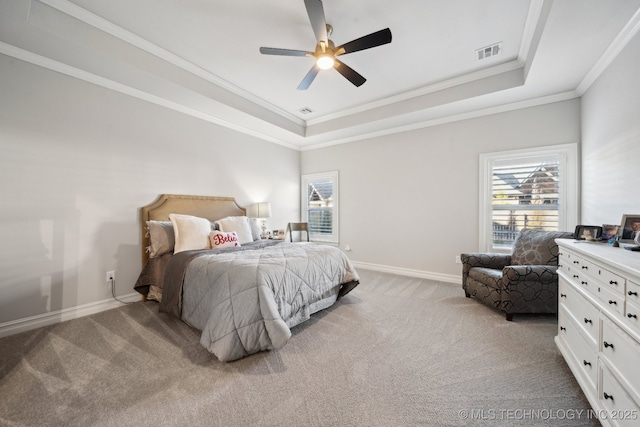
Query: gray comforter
{"x": 246, "y": 301}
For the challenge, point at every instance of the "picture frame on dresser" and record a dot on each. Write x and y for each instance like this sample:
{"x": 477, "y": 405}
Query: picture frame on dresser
{"x": 629, "y": 226}
{"x": 610, "y": 231}
{"x": 587, "y": 232}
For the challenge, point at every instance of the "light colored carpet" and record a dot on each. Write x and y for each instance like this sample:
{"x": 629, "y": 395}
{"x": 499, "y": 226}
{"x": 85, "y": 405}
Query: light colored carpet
{"x": 397, "y": 351}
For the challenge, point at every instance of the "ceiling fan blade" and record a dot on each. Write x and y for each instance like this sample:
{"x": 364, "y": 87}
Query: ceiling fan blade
{"x": 308, "y": 79}
{"x": 315, "y": 10}
{"x": 366, "y": 42}
{"x": 283, "y": 52}
{"x": 349, "y": 73}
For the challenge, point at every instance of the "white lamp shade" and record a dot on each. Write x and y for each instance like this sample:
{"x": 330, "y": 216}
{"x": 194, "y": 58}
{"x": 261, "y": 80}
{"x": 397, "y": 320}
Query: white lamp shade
{"x": 263, "y": 210}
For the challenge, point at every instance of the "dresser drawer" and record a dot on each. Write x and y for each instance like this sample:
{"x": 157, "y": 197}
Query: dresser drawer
{"x": 621, "y": 409}
{"x": 621, "y": 352}
{"x": 633, "y": 292}
{"x": 583, "y": 312}
{"x": 611, "y": 300}
{"x": 585, "y": 281}
{"x": 603, "y": 276}
{"x": 565, "y": 262}
{"x": 583, "y": 353}
{"x": 632, "y": 315}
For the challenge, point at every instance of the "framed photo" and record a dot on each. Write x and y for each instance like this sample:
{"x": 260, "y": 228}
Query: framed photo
{"x": 278, "y": 234}
{"x": 588, "y": 232}
{"x": 629, "y": 227}
{"x": 610, "y": 231}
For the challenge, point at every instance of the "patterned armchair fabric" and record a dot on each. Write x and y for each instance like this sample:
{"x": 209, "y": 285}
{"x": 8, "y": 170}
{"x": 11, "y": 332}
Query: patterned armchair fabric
{"x": 525, "y": 281}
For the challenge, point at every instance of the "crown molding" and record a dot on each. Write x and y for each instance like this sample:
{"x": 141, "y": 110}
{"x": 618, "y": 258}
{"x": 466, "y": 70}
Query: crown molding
{"x": 620, "y": 42}
{"x": 89, "y": 18}
{"x": 534, "y": 102}
{"x": 59, "y": 67}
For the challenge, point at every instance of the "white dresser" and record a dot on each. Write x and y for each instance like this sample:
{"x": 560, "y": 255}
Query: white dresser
{"x": 599, "y": 326}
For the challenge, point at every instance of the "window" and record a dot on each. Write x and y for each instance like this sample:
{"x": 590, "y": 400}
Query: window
{"x": 320, "y": 205}
{"x": 534, "y": 188}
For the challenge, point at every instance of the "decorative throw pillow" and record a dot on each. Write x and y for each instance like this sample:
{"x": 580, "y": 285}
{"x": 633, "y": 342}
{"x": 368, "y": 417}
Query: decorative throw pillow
{"x": 239, "y": 224}
{"x": 191, "y": 232}
{"x": 161, "y": 237}
{"x": 221, "y": 239}
{"x": 537, "y": 247}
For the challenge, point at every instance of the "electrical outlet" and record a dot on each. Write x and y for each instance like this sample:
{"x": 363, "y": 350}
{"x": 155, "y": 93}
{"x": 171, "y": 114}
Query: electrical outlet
{"x": 111, "y": 276}
{"x": 458, "y": 261}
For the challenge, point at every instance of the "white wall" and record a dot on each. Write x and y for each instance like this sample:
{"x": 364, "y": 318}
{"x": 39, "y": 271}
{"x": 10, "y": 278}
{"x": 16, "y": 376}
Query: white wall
{"x": 410, "y": 200}
{"x": 611, "y": 141}
{"x": 77, "y": 162}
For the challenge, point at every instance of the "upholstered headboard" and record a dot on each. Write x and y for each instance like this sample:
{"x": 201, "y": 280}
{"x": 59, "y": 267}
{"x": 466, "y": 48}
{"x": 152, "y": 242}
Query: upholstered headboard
{"x": 210, "y": 207}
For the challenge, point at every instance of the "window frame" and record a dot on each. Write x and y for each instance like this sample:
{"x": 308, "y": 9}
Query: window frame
{"x": 307, "y": 179}
{"x": 567, "y": 156}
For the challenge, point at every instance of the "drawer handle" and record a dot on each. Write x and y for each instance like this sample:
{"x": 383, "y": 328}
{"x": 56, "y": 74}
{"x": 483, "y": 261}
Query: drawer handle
{"x": 562, "y": 328}
{"x": 563, "y": 295}
{"x": 587, "y": 320}
{"x": 630, "y": 315}
{"x": 632, "y": 293}
{"x": 613, "y": 302}
{"x": 584, "y": 283}
{"x": 576, "y": 262}
{"x": 586, "y": 363}
{"x": 613, "y": 282}
{"x": 585, "y": 267}
{"x": 607, "y": 396}
{"x": 575, "y": 276}
{"x": 606, "y": 345}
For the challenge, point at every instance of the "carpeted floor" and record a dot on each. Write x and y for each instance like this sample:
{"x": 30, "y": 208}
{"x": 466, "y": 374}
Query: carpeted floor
{"x": 396, "y": 351}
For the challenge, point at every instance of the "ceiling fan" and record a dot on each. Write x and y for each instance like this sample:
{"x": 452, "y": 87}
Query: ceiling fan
{"x": 326, "y": 52}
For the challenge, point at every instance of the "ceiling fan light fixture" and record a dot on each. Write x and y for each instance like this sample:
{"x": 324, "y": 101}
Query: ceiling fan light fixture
{"x": 325, "y": 62}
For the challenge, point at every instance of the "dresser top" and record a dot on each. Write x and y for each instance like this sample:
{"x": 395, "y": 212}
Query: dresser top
{"x": 624, "y": 261}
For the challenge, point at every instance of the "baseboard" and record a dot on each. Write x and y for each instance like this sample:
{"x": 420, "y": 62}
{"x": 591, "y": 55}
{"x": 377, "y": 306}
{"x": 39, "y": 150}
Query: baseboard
{"x": 449, "y": 278}
{"x": 45, "y": 319}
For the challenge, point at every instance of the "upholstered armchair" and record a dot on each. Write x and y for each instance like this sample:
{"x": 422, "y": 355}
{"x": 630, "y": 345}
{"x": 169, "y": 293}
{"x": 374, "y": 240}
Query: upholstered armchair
{"x": 525, "y": 281}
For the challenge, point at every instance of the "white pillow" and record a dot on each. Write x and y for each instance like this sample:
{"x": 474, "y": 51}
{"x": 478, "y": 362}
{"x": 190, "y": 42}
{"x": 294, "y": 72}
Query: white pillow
{"x": 239, "y": 224}
{"x": 191, "y": 232}
{"x": 220, "y": 239}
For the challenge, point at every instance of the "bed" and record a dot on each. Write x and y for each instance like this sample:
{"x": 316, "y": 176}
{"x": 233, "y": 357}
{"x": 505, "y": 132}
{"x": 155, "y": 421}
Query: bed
{"x": 204, "y": 262}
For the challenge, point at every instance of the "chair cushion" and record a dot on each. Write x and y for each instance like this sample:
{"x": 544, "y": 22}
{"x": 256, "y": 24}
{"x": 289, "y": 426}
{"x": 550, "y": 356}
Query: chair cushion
{"x": 537, "y": 247}
{"x": 487, "y": 276}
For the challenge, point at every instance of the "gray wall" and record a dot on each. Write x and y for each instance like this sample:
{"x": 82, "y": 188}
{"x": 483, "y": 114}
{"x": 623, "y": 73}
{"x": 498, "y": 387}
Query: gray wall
{"x": 611, "y": 141}
{"x": 410, "y": 200}
{"x": 77, "y": 162}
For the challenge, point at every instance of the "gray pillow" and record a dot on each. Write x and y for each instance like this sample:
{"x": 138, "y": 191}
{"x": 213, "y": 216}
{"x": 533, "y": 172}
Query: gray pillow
{"x": 161, "y": 238}
{"x": 537, "y": 247}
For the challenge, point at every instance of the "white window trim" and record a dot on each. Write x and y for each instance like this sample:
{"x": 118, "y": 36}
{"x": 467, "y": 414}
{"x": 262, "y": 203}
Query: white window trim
{"x": 568, "y": 213}
{"x": 308, "y": 178}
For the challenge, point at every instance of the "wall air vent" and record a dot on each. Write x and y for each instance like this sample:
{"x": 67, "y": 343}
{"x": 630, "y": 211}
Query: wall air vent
{"x": 305, "y": 110}
{"x": 489, "y": 51}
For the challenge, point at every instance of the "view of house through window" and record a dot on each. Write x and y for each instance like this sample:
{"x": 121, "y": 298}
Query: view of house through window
{"x": 526, "y": 189}
{"x": 523, "y": 196}
{"x": 320, "y": 205}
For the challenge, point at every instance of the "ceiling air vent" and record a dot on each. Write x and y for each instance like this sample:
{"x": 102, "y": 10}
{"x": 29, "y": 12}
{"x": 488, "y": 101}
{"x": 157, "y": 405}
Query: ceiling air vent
{"x": 489, "y": 51}
{"x": 305, "y": 110}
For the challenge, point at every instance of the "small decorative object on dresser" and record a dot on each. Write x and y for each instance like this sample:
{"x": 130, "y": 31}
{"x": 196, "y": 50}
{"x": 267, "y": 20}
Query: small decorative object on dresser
{"x": 599, "y": 326}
